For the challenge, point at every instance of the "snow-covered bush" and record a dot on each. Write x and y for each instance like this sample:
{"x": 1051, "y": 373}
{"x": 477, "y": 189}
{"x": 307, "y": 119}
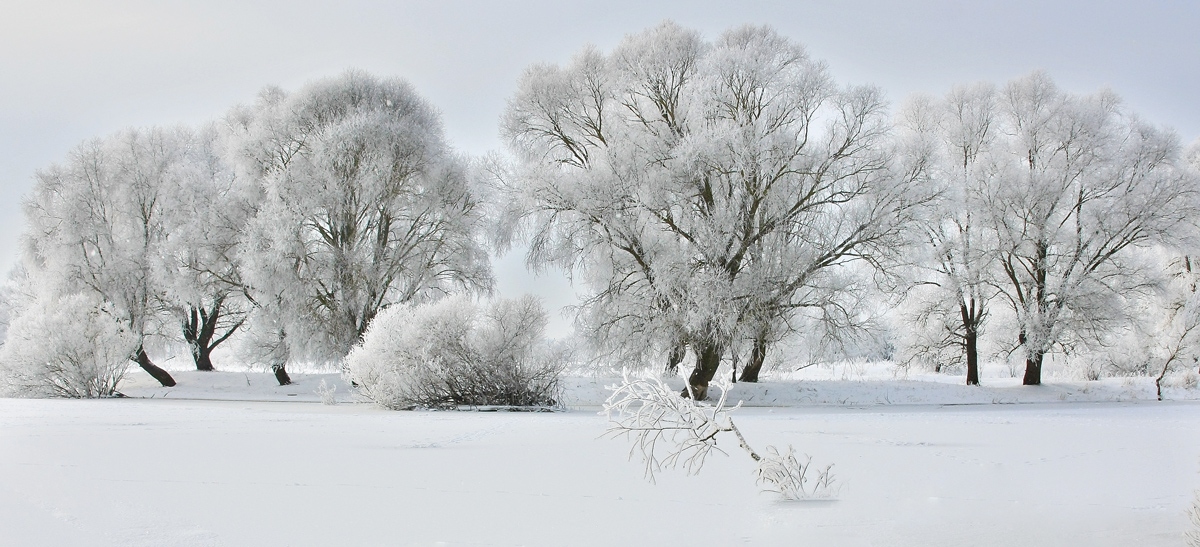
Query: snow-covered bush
{"x": 1189, "y": 379}
{"x": 669, "y": 430}
{"x": 453, "y": 352}
{"x": 70, "y": 346}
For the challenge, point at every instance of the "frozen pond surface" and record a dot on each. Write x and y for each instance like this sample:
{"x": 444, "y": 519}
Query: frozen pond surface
{"x": 164, "y": 472}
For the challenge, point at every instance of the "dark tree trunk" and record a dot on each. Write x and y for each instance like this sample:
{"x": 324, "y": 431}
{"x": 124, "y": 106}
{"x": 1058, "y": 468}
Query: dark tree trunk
{"x": 1033, "y": 363}
{"x": 758, "y": 354}
{"x": 972, "y": 343}
{"x": 281, "y": 375}
{"x": 675, "y": 357}
{"x": 708, "y": 359}
{"x": 1033, "y": 369}
{"x": 971, "y": 318}
{"x": 200, "y": 332}
{"x": 147, "y": 365}
{"x": 203, "y": 358}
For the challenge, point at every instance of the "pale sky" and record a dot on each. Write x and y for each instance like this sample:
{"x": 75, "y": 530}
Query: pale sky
{"x": 74, "y": 70}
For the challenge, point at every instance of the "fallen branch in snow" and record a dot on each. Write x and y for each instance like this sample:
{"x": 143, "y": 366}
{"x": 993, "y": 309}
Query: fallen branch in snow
{"x": 669, "y": 430}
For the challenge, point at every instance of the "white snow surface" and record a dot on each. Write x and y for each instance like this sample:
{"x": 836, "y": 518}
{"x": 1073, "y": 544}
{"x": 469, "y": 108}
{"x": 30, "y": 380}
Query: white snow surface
{"x": 229, "y": 458}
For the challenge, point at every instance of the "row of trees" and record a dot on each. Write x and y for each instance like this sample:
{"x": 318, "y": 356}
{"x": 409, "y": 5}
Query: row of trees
{"x": 722, "y": 195}
{"x": 714, "y": 197}
{"x": 1047, "y": 202}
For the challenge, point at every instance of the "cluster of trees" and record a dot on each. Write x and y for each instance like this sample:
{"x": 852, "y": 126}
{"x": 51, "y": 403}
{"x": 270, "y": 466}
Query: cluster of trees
{"x": 713, "y": 197}
{"x": 291, "y": 222}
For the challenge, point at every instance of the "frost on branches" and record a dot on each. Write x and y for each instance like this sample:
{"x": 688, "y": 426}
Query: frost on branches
{"x": 66, "y": 346}
{"x": 669, "y": 430}
{"x": 708, "y": 194}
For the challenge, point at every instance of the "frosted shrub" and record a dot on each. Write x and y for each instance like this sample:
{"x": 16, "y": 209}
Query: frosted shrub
{"x": 669, "y": 430}
{"x": 68, "y": 346}
{"x": 327, "y": 392}
{"x": 452, "y": 353}
{"x": 1188, "y": 380}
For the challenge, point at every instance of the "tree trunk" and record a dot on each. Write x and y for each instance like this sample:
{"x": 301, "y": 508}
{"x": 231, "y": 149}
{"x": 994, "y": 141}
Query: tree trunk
{"x": 281, "y": 375}
{"x": 972, "y": 343}
{"x": 1033, "y": 363}
{"x": 1159, "y": 379}
{"x": 200, "y": 332}
{"x": 203, "y": 358}
{"x": 708, "y": 359}
{"x": 1033, "y": 369}
{"x": 970, "y": 318}
{"x": 758, "y": 355}
{"x": 159, "y": 374}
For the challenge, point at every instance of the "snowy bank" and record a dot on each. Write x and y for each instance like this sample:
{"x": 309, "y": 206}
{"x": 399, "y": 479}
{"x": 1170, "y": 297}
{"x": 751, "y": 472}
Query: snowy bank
{"x": 590, "y": 392}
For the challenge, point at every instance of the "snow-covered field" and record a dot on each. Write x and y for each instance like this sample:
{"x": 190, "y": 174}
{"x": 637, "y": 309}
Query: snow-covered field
{"x": 285, "y": 470}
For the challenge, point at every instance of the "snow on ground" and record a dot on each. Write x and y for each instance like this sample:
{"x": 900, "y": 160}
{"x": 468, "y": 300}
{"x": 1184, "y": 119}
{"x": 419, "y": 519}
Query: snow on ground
{"x": 180, "y": 470}
{"x": 845, "y": 384}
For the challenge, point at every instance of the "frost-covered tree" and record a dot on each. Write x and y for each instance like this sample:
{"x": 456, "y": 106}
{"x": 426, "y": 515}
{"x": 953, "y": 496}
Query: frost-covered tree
{"x": 365, "y": 206}
{"x": 1176, "y": 333}
{"x": 704, "y": 191}
{"x": 1080, "y": 184}
{"x": 199, "y": 263}
{"x": 97, "y": 222}
{"x": 950, "y": 140}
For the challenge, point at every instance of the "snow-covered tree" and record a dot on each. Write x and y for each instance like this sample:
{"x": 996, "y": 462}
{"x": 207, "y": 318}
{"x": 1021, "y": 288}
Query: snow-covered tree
{"x": 365, "y": 206}
{"x": 97, "y": 223}
{"x": 199, "y": 264}
{"x": 1080, "y": 184}
{"x": 1176, "y": 333}
{"x": 704, "y": 191}
{"x": 950, "y": 141}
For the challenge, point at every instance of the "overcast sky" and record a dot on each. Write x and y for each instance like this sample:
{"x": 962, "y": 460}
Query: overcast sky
{"x": 74, "y": 70}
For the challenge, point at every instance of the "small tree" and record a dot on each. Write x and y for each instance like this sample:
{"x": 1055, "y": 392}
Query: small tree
{"x": 70, "y": 346}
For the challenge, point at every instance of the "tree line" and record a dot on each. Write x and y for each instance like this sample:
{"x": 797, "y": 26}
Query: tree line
{"x": 712, "y": 197}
